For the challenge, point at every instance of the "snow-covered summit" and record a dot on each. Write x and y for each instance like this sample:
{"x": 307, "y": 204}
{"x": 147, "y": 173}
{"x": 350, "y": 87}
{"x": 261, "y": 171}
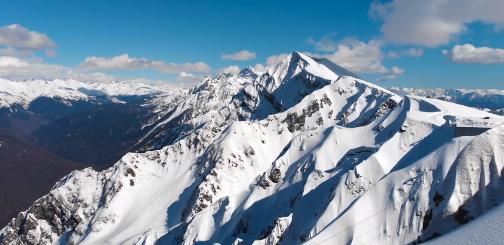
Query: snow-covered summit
{"x": 305, "y": 152}
{"x": 242, "y": 97}
{"x": 249, "y": 72}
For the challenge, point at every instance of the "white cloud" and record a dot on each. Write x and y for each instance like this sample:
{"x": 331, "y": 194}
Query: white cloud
{"x": 434, "y": 22}
{"x": 270, "y": 61}
{"x": 393, "y": 54}
{"x": 93, "y": 77}
{"x": 13, "y": 52}
{"x": 275, "y": 59}
{"x": 467, "y": 53}
{"x": 392, "y": 74}
{"x": 189, "y": 77}
{"x": 18, "y": 36}
{"x": 357, "y": 56}
{"x": 396, "y": 70}
{"x": 386, "y": 78}
{"x": 50, "y": 53}
{"x": 413, "y": 52}
{"x": 20, "y": 69}
{"x": 354, "y": 55}
{"x": 260, "y": 67}
{"x": 33, "y": 59}
{"x": 325, "y": 44}
{"x": 242, "y": 55}
{"x": 124, "y": 62}
{"x": 230, "y": 69}
{"x": 20, "y": 41}
{"x": 12, "y": 67}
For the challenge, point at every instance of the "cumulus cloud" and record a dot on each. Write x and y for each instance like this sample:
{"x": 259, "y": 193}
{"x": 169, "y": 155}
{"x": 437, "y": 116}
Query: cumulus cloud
{"x": 20, "y": 41}
{"x": 391, "y": 75}
{"x": 352, "y": 54}
{"x": 33, "y": 59}
{"x": 275, "y": 59}
{"x": 434, "y": 22}
{"x": 189, "y": 77}
{"x": 242, "y": 55}
{"x": 9, "y": 51}
{"x": 325, "y": 44}
{"x": 386, "y": 77}
{"x": 18, "y": 36}
{"x": 124, "y": 62}
{"x": 260, "y": 67}
{"x": 50, "y": 53}
{"x": 12, "y": 67}
{"x": 396, "y": 70}
{"x": 357, "y": 56}
{"x": 270, "y": 61}
{"x": 467, "y": 53}
{"x": 413, "y": 52}
{"x": 93, "y": 77}
{"x": 230, "y": 69}
{"x": 17, "y": 68}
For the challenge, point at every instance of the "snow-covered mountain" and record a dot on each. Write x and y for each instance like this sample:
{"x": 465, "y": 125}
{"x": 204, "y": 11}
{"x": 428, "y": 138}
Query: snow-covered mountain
{"x": 25, "y": 92}
{"x": 26, "y": 105}
{"x": 490, "y": 100}
{"x": 305, "y": 152}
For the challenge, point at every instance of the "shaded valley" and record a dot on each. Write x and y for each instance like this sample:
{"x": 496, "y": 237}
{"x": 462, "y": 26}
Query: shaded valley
{"x": 26, "y": 173}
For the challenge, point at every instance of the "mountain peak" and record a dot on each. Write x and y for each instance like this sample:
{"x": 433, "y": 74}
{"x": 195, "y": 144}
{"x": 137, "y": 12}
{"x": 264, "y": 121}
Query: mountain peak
{"x": 313, "y": 64}
{"x": 249, "y": 72}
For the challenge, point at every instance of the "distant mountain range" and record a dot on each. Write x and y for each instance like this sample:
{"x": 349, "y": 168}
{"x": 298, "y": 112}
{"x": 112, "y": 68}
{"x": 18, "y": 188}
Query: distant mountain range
{"x": 24, "y": 93}
{"x": 37, "y": 102}
{"x": 491, "y": 100}
{"x": 49, "y": 112}
{"x": 303, "y": 153}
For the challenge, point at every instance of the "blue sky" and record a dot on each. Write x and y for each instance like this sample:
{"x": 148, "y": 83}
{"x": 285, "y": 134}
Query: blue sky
{"x": 427, "y": 44}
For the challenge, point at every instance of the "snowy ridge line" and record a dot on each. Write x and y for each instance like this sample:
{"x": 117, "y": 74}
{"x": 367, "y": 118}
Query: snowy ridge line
{"x": 393, "y": 206}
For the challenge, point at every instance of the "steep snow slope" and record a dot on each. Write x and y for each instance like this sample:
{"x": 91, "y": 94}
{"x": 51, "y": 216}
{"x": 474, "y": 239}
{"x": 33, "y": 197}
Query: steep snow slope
{"x": 486, "y": 229}
{"x": 403, "y": 198}
{"x": 303, "y": 153}
{"x": 477, "y": 185}
{"x": 477, "y": 188}
{"x": 24, "y": 92}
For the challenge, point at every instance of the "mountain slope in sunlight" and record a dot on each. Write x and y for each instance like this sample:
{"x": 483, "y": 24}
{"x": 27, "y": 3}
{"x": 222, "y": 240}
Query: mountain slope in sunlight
{"x": 305, "y": 152}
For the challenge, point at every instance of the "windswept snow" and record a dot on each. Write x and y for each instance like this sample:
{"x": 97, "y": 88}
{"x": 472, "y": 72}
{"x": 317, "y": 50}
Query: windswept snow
{"x": 486, "y": 229}
{"x": 305, "y": 152}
